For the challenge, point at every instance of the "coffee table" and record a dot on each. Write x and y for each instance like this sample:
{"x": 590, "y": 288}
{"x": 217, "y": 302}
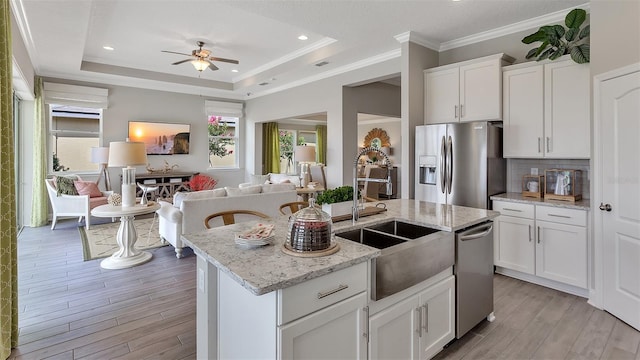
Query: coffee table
{"x": 127, "y": 255}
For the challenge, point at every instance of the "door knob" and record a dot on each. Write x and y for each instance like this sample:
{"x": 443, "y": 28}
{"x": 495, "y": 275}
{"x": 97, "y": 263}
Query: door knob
{"x": 606, "y": 207}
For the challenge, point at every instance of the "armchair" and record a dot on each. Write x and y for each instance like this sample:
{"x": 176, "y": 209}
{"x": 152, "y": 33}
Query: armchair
{"x": 73, "y": 205}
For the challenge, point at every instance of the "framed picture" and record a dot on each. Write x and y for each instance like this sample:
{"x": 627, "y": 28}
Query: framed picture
{"x": 161, "y": 138}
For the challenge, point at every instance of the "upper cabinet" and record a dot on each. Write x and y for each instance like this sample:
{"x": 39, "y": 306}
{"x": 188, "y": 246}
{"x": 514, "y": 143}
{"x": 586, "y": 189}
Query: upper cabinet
{"x": 465, "y": 91}
{"x": 547, "y": 110}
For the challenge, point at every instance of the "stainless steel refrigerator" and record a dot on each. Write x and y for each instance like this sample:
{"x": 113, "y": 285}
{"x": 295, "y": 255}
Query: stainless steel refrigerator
{"x": 460, "y": 164}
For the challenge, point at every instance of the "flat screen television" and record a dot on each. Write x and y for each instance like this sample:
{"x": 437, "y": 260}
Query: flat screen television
{"x": 161, "y": 138}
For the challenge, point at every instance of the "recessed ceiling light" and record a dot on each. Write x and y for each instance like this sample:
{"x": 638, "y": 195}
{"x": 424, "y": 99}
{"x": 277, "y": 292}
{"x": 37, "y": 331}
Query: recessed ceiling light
{"x": 234, "y": 70}
{"x": 107, "y": 47}
{"x": 302, "y": 37}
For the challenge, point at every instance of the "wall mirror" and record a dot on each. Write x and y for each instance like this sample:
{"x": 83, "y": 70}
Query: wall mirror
{"x": 377, "y": 138}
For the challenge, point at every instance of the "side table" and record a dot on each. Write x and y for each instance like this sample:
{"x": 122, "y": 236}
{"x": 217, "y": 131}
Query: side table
{"x": 305, "y": 192}
{"x": 127, "y": 255}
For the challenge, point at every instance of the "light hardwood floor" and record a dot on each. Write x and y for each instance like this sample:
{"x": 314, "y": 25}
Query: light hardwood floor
{"x": 72, "y": 309}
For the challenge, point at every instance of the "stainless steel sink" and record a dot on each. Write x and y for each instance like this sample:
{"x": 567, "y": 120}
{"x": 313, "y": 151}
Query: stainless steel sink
{"x": 409, "y": 255}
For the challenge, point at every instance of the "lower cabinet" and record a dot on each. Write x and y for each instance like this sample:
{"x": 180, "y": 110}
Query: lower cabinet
{"x": 417, "y": 327}
{"x": 336, "y": 332}
{"x": 548, "y": 242}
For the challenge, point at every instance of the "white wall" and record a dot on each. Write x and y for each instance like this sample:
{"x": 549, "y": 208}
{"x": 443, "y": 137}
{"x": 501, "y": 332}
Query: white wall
{"x": 323, "y": 96}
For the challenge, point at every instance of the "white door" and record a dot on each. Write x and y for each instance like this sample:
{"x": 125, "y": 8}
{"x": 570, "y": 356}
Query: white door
{"x": 336, "y": 332}
{"x": 620, "y": 179}
{"x": 441, "y": 96}
{"x": 481, "y": 91}
{"x": 394, "y": 331}
{"x": 523, "y": 114}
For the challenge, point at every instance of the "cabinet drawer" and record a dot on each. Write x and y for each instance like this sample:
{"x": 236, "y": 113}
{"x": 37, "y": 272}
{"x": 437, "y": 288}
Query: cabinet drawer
{"x": 514, "y": 209}
{"x": 561, "y": 215}
{"x": 302, "y": 299}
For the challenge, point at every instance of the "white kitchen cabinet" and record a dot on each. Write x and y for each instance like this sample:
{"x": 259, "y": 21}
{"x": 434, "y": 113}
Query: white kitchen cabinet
{"x": 544, "y": 241}
{"x": 465, "y": 91}
{"x": 417, "y": 327}
{"x": 336, "y": 332}
{"x": 547, "y": 110}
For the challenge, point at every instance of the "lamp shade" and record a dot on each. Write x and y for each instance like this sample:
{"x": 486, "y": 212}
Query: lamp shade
{"x": 200, "y": 64}
{"x": 100, "y": 155}
{"x": 305, "y": 153}
{"x": 126, "y": 153}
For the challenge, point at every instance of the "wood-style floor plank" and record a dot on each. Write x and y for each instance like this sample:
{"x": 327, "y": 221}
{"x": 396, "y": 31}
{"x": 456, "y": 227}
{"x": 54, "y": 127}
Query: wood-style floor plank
{"x": 73, "y": 309}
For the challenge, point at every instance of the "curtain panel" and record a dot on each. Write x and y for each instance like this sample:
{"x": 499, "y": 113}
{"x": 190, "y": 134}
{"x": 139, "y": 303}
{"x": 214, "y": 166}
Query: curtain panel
{"x": 39, "y": 205}
{"x": 270, "y": 148}
{"x": 8, "y": 224}
{"x": 321, "y": 144}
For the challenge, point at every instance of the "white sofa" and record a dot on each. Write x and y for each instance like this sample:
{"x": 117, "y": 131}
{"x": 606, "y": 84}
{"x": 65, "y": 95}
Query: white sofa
{"x": 271, "y": 178}
{"x": 188, "y": 211}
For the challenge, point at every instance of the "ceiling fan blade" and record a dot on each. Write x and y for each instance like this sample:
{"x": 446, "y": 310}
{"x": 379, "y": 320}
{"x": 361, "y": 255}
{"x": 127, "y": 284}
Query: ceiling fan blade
{"x": 211, "y": 66}
{"x": 181, "y": 62}
{"x": 224, "y": 60}
{"x": 173, "y": 52}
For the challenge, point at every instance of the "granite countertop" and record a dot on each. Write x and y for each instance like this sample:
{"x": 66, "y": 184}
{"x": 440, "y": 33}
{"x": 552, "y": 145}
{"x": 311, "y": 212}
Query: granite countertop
{"x": 517, "y": 197}
{"x": 265, "y": 269}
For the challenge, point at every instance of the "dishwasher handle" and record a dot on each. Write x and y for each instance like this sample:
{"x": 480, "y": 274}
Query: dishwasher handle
{"x": 475, "y": 233}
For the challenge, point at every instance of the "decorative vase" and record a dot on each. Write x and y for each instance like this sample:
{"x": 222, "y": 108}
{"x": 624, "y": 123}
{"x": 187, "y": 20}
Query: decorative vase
{"x": 337, "y": 209}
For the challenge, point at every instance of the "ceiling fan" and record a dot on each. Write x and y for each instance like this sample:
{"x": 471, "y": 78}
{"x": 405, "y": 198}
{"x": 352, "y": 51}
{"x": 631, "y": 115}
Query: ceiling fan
{"x": 200, "y": 58}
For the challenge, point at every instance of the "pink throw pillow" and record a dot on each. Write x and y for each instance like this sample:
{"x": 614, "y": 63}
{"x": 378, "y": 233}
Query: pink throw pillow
{"x": 87, "y": 188}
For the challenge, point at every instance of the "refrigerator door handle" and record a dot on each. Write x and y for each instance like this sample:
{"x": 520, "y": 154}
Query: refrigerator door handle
{"x": 450, "y": 164}
{"x": 442, "y": 166}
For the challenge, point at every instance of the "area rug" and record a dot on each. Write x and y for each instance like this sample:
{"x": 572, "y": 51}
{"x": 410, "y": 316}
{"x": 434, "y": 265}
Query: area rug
{"x": 100, "y": 240}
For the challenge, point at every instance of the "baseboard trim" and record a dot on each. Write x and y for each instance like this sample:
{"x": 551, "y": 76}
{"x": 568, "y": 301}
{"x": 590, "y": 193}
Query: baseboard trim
{"x": 570, "y": 289}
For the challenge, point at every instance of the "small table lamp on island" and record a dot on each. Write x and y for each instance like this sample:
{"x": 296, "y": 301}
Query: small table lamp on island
{"x": 127, "y": 154}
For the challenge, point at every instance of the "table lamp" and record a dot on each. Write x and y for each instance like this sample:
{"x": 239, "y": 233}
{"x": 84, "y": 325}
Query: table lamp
{"x": 100, "y": 155}
{"x": 127, "y": 154}
{"x": 304, "y": 155}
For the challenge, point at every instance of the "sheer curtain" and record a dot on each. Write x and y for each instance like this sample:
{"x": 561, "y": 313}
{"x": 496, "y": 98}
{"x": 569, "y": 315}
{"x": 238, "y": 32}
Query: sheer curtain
{"x": 270, "y": 148}
{"x": 321, "y": 144}
{"x": 8, "y": 230}
{"x": 39, "y": 205}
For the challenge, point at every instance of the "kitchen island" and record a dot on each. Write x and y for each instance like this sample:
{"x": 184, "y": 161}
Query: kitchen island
{"x": 263, "y": 297}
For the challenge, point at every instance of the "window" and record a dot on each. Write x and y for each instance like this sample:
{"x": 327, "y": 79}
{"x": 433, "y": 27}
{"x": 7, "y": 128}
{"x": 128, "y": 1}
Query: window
{"x": 74, "y": 131}
{"x": 223, "y": 128}
{"x": 223, "y": 141}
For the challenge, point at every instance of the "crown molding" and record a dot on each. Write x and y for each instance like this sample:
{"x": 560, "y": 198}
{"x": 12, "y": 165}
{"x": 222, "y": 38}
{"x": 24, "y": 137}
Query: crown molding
{"x": 327, "y": 74}
{"x": 528, "y": 24}
{"x": 25, "y": 32}
{"x": 418, "y": 39}
{"x": 282, "y": 60}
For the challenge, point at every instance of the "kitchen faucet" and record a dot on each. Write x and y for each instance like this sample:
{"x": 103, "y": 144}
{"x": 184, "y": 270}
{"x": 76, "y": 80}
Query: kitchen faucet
{"x": 389, "y": 190}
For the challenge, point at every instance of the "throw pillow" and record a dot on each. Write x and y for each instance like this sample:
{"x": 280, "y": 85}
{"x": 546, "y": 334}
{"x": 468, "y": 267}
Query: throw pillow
{"x": 278, "y": 187}
{"x": 87, "y": 188}
{"x": 64, "y": 185}
{"x": 259, "y": 179}
{"x": 248, "y": 190}
{"x": 204, "y": 194}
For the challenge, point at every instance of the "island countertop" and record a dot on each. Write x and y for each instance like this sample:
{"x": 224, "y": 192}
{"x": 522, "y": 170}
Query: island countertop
{"x": 265, "y": 269}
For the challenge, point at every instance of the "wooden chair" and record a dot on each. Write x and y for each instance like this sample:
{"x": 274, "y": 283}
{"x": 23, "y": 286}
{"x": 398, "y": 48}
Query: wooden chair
{"x": 293, "y": 206}
{"x": 228, "y": 217}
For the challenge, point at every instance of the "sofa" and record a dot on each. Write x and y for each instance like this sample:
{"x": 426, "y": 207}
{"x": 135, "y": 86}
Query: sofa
{"x": 189, "y": 209}
{"x": 271, "y": 178}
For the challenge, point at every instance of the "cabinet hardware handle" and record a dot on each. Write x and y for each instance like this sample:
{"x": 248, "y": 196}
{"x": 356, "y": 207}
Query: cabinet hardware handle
{"x": 560, "y": 216}
{"x": 331, "y": 292}
{"x": 548, "y": 139}
{"x": 366, "y": 323}
{"x": 529, "y": 233}
{"x": 425, "y": 318}
{"x": 455, "y": 111}
{"x": 539, "y": 149}
{"x": 516, "y": 210}
{"x": 419, "y": 327}
{"x": 538, "y": 234}
{"x": 461, "y": 111}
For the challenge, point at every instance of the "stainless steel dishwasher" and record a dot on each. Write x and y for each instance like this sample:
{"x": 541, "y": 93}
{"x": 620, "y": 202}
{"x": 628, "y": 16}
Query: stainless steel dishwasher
{"x": 474, "y": 277}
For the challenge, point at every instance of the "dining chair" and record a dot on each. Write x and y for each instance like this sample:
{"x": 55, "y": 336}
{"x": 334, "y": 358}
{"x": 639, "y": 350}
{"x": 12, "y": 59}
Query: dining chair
{"x": 228, "y": 217}
{"x": 293, "y": 206}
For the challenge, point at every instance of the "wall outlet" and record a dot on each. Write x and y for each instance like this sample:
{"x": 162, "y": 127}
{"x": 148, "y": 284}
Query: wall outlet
{"x": 534, "y": 171}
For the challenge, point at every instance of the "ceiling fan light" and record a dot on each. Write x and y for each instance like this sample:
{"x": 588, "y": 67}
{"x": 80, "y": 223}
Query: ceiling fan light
{"x": 200, "y": 64}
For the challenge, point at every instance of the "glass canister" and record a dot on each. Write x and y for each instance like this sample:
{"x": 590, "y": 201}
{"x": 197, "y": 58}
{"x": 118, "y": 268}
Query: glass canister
{"x": 309, "y": 229}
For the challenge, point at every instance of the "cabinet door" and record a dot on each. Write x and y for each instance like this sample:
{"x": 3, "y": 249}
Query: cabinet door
{"x": 523, "y": 101}
{"x": 394, "y": 331}
{"x": 336, "y": 332}
{"x": 441, "y": 96}
{"x": 481, "y": 91}
{"x": 513, "y": 244}
{"x": 438, "y": 318}
{"x": 567, "y": 110}
{"x": 561, "y": 253}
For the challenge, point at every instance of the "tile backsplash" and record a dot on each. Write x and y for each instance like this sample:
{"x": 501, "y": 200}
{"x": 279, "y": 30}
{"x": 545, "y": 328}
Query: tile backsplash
{"x": 517, "y": 168}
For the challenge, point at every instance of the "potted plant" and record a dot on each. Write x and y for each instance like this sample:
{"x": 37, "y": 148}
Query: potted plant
{"x": 338, "y": 201}
{"x": 557, "y": 41}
